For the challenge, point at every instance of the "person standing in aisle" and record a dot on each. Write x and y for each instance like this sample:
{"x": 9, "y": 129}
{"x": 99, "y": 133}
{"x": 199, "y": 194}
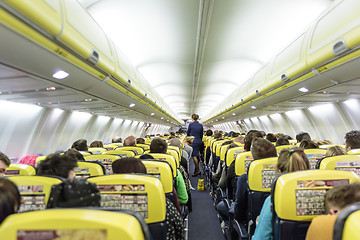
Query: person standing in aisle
{"x": 196, "y": 130}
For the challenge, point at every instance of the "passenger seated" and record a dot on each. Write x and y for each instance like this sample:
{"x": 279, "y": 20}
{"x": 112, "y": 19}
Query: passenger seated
{"x": 130, "y": 141}
{"x": 140, "y": 141}
{"x": 352, "y": 140}
{"x": 10, "y": 199}
{"x": 260, "y": 148}
{"x": 308, "y": 144}
{"x": 58, "y": 165}
{"x": 282, "y": 141}
{"x": 116, "y": 140}
{"x": 174, "y": 224}
{"x": 323, "y": 142}
{"x": 80, "y": 145}
{"x": 159, "y": 145}
{"x": 290, "y": 160}
{"x": 337, "y": 198}
{"x": 4, "y": 164}
{"x": 271, "y": 137}
{"x": 335, "y": 151}
{"x": 302, "y": 136}
{"x": 97, "y": 144}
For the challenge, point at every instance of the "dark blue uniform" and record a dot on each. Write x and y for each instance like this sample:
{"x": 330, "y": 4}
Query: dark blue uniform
{"x": 196, "y": 130}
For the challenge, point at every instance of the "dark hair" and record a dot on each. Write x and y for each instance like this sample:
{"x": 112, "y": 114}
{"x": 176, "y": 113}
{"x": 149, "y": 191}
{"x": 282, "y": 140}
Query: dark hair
{"x": 128, "y": 165}
{"x": 140, "y": 141}
{"x": 308, "y": 144}
{"x": 291, "y": 160}
{"x": 146, "y": 156}
{"x": 282, "y": 141}
{"x": 262, "y": 148}
{"x": 80, "y": 145}
{"x": 302, "y": 135}
{"x": 130, "y": 141}
{"x": 342, "y": 195}
{"x": 195, "y": 116}
{"x": 95, "y": 144}
{"x": 249, "y": 138}
{"x": 209, "y": 132}
{"x": 158, "y": 145}
{"x": 217, "y": 135}
{"x": 271, "y": 137}
{"x": 5, "y": 159}
{"x": 10, "y": 199}
{"x": 352, "y": 139}
{"x": 58, "y": 165}
{"x": 77, "y": 154}
{"x": 116, "y": 140}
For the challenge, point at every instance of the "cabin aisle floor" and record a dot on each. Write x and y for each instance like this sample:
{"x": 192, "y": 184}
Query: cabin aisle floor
{"x": 203, "y": 220}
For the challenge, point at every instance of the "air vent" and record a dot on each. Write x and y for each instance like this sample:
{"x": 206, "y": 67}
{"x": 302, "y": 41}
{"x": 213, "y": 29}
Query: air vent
{"x": 257, "y": 92}
{"x": 284, "y": 78}
{"x": 340, "y": 47}
{"x": 94, "y": 57}
{"x": 128, "y": 84}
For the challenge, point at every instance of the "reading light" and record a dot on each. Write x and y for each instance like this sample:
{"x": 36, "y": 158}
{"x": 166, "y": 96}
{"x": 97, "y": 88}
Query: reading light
{"x": 303, "y": 89}
{"x": 162, "y": 118}
{"x": 88, "y": 100}
{"x": 253, "y": 107}
{"x": 152, "y": 114}
{"x": 234, "y": 114}
{"x": 132, "y": 105}
{"x": 50, "y": 89}
{"x": 49, "y": 103}
{"x": 223, "y": 117}
{"x": 60, "y": 74}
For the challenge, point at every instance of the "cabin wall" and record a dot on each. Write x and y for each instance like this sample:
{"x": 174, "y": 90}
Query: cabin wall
{"x": 327, "y": 121}
{"x": 31, "y": 129}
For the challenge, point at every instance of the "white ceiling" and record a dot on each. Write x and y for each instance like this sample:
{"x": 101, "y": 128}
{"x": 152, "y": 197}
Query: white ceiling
{"x": 195, "y": 53}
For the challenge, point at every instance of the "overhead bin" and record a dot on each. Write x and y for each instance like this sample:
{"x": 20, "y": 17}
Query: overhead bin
{"x": 334, "y": 32}
{"x": 83, "y": 35}
{"x": 259, "y": 82}
{"x": 290, "y": 62}
{"x": 44, "y": 13}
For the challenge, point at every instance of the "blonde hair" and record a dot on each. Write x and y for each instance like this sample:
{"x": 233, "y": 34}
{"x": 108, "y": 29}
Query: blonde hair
{"x": 335, "y": 151}
{"x": 291, "y": 160}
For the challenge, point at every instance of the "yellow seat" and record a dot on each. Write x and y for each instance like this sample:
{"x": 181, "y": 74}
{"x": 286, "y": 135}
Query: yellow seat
{"x": 168, "y": 158}
{"x": 34, "y": 190}
{"x": 342, "y": 162}
{"x": 20, "y": 169}
{"x": 87, "y": 169}
{"x": 292, "y": 142}
{"x": 105, "y": 159}
{"x": 121, "y": 152}
{"x": 111, "y": 146}
{"x": 217, "y": 147}
{"x": 161, "y": 170}
{"x": 177, "y": 150}
{"x": 144, "y": 146}
{"x": 175, "y": 154}
{"x": 140, "y": 193}
{"x": 279, "y": 148}
{"x": 261, "y": 174}
{"x": 299, "y": 197}
{"x": 232, "y": 153}
{"x": 148, "y": 140}
{"x": 347, "y": 225}
{"x": 242, "y": 162}
{"x": 354, "y": 151}
{"x": 326, "y": 146}
{"x": 97, "y": 150}
{"x": 136, "y": 150}
{"x": 73, "y": 224}
{"x": 40, "y": 158}
{"x": 314, "y": 155}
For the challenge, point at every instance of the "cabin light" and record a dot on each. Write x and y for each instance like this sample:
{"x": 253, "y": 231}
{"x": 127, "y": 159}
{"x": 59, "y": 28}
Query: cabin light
{"x": 50, "y": 89}
{"x": 325, "y": 92}
{"x": 60, "y": 74}
{"x": 216, "y": 120}
{"x": 167, "y": 120}
{"x": 253, "y": 107}
{"x": 152, "y": 114}
{"x": 234, "y": 114}
{"x": 49, "y": 103}
{"x": 132, "y": 105}
{"x": 162, "y": 118}
{"x": 88, "y": 100}
{"x": 303, "y": 89}
{"x": 223, "y": 117}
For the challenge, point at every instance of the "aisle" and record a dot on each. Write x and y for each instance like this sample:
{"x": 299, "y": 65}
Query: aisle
{"x": 203, "y": 221}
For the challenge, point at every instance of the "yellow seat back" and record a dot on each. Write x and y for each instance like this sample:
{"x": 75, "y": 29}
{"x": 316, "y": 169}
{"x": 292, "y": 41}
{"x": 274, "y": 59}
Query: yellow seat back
{"x": 347, "y": 225}
{"x": 20, "y": 169}
{"x": 314, "y": 155}
{"x": 175, "y": 154}
{"x": 292, "y": 142}
{"x": 87, "y": 169}
{"x": 34, "y": 190}
{"x": 148, "y": 140}
{"x": 144, "y": 146}
{"x": 176, "y": 149}
{"x": 97, "y": 150}
{"x": 105, "y": 159}
{"x": 223, "y": 150}
{"x": 72, "y": 224}
{"x": 342, "y": 162}
{"x": 261, "y": 174}
{"x": 168, "y": 158}
{"x": 161, "y": 170}
{"x": 299, "y": 196}
{"x": 137, "y": 150}
{"x": 121, "y": 152}
{"x": 242, "y": 162}
{"x": 232, "y": 153}
{"x": 40, "y": 158}
{"x": 111, "y": 146}
{"x": 217, "y": 147}
{"x": 140, "y": 193}
{"x": 279, "y": 148}
{"x": 354, "y": 151}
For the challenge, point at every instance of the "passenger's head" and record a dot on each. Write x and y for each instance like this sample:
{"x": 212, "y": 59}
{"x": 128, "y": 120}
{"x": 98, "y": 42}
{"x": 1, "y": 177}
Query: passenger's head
{"x": 323, "y": 142}
{"x": 335, "y": 151}
{"x": 97, "y": 144}
{"x": 194, "y": 117}
{"x": 217, "y": 135}
{"x": 116, "y": 140}
{"x": 308, "y": 144}
{"x": 282, "y": 141}
{"x": 140, "y": 141}
{"x": 80, "y": 145}
{"x": 291, "y": 160}
{"x": 4, "y": 163}
{"x": 58, "y": 165}
{"x": 158, "y": 145}
{"x": 262, "y": 148}
{"x": 130, "y": 141}
{"x": 10, "y": 199}
{"x": 175, "y": 142}
{"x": 239, "y": 139}
{"x": 271, "y": 137}
{"x": 341, "y": 196}
{"x": 250, "y": 137}
{"x": 209, "y": 133}
{"x": 352, "y": 140}
{"x": 128, "y": 165}
{"x": 302, "y": 135}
